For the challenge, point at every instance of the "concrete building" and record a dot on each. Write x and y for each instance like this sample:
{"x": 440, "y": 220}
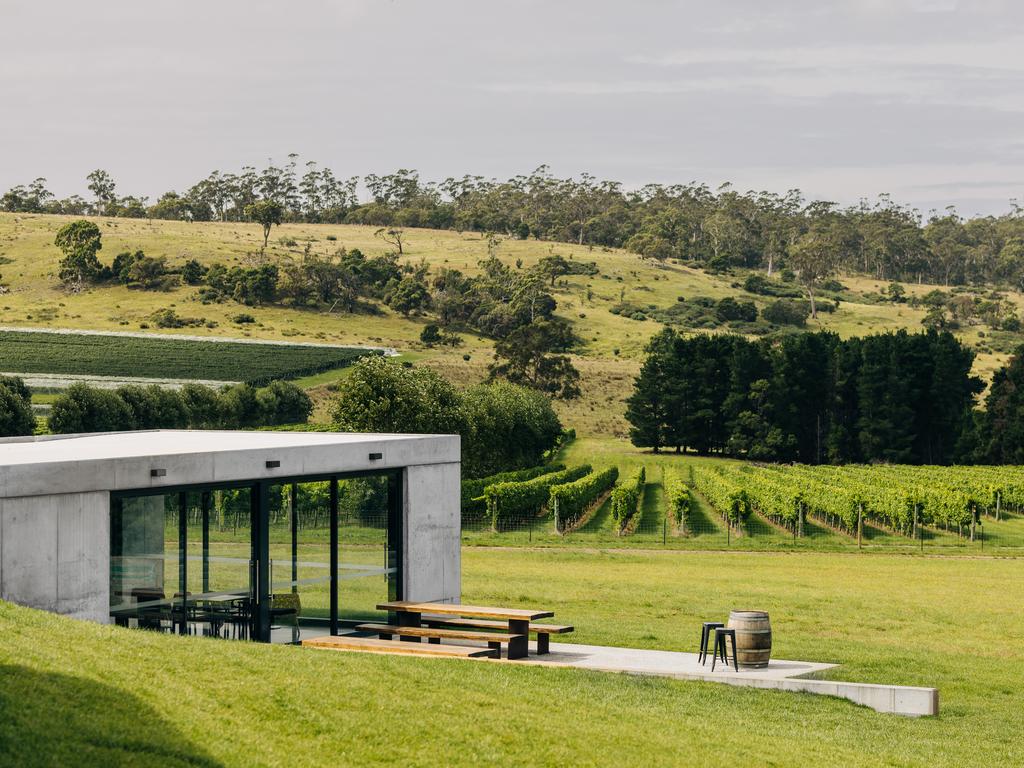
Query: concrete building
{"x": 228, "y": 532}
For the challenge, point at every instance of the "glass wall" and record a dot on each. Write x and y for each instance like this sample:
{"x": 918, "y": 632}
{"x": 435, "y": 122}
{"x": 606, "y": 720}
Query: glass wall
{"x": 182, "y": 562}
{"x": 367, "y": 561}
{"x": 190, "y": 561}
{"x": 145, "y": 561}
{"x": 300, "y": 552}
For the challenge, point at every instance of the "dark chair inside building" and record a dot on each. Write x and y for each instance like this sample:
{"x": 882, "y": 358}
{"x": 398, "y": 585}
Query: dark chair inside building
{"x": 284, "y": 611}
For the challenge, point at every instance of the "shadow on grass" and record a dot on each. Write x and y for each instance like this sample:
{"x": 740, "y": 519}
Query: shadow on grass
{"x": 652, "y": 509}
{"x": 56, "y": 719}
{"x": 601, "y": 520}
{"x": 702, "y": 522}
{"x": 755, "y": 526}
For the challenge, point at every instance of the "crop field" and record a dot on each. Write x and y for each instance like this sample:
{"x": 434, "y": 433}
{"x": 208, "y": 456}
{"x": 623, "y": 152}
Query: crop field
{"x": 734, "y": 505}
{"x": 166, "y": 357}
{"x": 884, "y": 618}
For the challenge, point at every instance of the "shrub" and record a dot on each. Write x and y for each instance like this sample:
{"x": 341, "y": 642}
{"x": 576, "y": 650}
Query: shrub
{"x": 382, "y": 396}
{"x": 508, "y": 503}
{"x": 503, "y": 426}
{"x": 89, "y": 409}
{"x": 283, "y": 402}
{"x": 192, "y": 272}
{"x": 786, "y": 312}
{"x": 16, "y": 416}
{"x": 571, "y": 501}
{"x": 508, "y": 427}
{"x": 756, "y": 284}
{"x": 153, "y": 407}
{"x": 242, "y": 318}
{"x": 626, "y": 500}
{"x": 168, "y": 318}
{"x": 431, "y": 334}
{"x": 729, "y": 309}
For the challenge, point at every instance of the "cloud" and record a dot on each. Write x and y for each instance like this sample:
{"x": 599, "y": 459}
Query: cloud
{"x": 987, "y": 74}
{"x": 1003, "y": 54}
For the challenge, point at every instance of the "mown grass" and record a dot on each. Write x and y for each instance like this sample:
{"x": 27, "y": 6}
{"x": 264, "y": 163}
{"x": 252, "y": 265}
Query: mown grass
{"x": 609, "y": 358}
{"x": 75, "y": 693}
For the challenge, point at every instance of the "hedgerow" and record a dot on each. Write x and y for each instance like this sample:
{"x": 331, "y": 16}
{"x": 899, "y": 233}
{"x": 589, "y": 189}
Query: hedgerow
{"x": 725, "y": 494}
{"x": 473, "y": 502}
{"x": 571, "y": 501}
{"x": 678, "y": 500}
{"x": 509, "y": 503}
{"x": 626, "y": 499}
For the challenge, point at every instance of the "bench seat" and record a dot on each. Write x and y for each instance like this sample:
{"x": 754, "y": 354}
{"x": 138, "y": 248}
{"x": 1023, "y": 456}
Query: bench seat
{"x": 373, "y": 645}
{"x": 436, "y": 635}
{"x": 542, "y": 631}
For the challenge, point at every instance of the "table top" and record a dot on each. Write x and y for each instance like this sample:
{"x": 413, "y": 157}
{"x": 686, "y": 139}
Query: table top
{"x": 475, "y": 611}
{"x": 217, "y": 598}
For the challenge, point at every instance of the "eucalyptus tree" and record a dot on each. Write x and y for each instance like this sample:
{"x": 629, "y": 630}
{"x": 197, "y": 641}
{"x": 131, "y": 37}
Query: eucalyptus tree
{"x": 103, "y": 189}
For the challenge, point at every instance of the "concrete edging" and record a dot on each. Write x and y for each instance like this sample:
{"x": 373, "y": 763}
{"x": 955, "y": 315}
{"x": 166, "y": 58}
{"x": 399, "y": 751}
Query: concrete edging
{"x": 892, "y": 699}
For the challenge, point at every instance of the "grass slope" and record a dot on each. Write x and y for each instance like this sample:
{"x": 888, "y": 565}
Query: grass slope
{"x": 608, "y": 362}
{"x": 75, "y": 693}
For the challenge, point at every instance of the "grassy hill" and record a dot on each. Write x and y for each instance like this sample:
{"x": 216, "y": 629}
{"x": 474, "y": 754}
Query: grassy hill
{"x": 608, "y": 361}
{"x": 128, "y": 697}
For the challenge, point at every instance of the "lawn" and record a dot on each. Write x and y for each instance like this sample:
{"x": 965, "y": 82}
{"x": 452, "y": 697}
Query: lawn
{"x": 72, "y": 692}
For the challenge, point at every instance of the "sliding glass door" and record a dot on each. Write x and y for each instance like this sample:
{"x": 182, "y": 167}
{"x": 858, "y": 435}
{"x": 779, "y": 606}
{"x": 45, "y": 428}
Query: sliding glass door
{"x": 263, "y": 561}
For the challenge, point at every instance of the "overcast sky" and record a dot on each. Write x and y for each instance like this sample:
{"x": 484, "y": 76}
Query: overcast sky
{"x": 923, "y": 99}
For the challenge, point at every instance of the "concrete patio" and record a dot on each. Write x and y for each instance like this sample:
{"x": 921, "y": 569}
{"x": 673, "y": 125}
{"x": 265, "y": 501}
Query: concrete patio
{"x": 780, "y": 674}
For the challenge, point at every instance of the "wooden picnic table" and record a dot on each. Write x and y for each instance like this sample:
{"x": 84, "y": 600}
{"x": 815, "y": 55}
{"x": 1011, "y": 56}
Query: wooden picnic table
{"x": 410, "y": 614}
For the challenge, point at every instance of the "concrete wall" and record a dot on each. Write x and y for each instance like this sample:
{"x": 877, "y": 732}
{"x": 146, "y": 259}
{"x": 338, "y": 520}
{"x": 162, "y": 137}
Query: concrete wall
{"x": 55, "y": 553}
{"x": 432, "y": 533}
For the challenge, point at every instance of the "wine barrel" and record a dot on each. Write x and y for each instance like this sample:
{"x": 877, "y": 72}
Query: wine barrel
{"x": 753, "y": 637}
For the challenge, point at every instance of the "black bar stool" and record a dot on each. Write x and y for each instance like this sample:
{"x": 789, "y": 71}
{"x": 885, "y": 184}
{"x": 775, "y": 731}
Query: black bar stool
{"x": 705, "y": 635}
{"x": 720, "y": 634}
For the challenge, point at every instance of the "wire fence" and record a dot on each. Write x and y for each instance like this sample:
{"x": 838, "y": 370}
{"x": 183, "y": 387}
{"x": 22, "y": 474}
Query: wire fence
{"x": 704, "y": 527}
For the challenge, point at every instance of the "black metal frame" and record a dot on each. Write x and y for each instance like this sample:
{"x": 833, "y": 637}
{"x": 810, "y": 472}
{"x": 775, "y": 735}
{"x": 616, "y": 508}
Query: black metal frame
{"x": 259, "y": 578}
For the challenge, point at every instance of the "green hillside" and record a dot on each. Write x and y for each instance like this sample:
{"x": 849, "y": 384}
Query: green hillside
{"x": 125, "y": 697}
{"x": 608, "y": 360}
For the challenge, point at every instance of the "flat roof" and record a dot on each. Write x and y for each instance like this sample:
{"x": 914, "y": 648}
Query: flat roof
{"x": 167, "y": 442}
{"x": 124, "y": 460}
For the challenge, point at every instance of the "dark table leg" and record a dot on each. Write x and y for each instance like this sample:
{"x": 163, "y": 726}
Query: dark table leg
{"x": 409, "y": 619}
{"x": 542, "y": 643}
{"x": 518, "y": 647}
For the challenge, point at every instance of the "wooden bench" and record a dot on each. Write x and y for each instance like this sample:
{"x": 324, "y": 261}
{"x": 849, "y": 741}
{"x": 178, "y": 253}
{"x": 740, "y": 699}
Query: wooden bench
{"x": 542, "y": 631}
{"x": 515, "y": 620}
{"x": 436, "y": 635}
{"x": 373, "y": 645}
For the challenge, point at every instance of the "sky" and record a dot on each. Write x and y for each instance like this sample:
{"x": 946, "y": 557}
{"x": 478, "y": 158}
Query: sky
{"x": 920, "y": 99}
